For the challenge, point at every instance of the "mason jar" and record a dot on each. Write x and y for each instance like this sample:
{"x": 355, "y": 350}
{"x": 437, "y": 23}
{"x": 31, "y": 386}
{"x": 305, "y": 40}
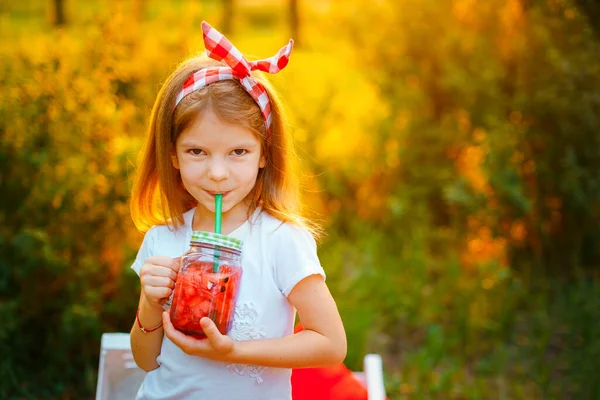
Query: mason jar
{"x": 207, "y": 284}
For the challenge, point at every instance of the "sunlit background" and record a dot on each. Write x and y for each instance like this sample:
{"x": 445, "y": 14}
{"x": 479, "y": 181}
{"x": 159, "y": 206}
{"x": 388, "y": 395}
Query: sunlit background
{"x": 450, "y": 149}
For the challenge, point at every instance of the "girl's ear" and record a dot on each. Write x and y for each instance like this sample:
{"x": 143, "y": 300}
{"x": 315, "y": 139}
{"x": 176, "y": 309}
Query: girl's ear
{"x": 174, "y": 159}
{"x": 262, "y": 162}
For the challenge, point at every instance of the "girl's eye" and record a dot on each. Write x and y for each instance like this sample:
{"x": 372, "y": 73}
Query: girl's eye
{"x": 240, "y": 152}
{"x": 196, "y": 152}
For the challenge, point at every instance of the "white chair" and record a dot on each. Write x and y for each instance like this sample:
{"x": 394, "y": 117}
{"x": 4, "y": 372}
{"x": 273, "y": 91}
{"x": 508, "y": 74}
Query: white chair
{"x": 372, "y": 377}
{"x": 119, "y": 377}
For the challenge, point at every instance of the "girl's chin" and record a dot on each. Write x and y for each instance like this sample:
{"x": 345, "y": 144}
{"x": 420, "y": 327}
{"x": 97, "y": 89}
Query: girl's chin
{"x": 226, "y": 207}
{"x": 211, "y": 207}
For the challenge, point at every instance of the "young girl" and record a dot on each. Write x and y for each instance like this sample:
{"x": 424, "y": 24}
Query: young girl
{"x": 217, "y": 128}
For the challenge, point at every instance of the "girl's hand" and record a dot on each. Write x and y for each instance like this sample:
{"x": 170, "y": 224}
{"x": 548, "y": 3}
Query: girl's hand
{"x": 158, "y": 276}
{"x": 216, "y": 346}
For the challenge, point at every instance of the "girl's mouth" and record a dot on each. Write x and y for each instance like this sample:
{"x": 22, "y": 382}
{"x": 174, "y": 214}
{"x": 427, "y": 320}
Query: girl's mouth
{"x": 215, "y": 193}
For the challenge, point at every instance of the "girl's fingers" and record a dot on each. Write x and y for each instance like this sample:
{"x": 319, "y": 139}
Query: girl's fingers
{"x": 218, "y": 341}
{"x": 167, "y": 262}
{"x": 158, "y": 281}
{"x": 160, "y": 260}
{"x": 158, "y": 276}
{"x": 181, "y": 340}
{"x": 157, "y": 293}
{"x": 158, "y": 270}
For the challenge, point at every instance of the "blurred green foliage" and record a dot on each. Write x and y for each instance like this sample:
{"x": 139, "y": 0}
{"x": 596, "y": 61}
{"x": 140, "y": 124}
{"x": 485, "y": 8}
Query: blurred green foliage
{"x": 452, "y": 151}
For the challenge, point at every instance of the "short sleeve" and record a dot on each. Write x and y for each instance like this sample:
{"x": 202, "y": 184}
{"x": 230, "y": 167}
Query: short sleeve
{"x": 146, "y": 250}
{"x": 295, "y": 257}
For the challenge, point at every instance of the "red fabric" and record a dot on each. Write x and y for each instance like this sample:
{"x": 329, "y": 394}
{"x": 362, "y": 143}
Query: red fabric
{"x": 219, "y": 48}
{"x": 330, "y": 383}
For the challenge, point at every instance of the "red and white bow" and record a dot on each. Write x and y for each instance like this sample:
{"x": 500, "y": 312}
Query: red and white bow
{"x": 219, "y": 48}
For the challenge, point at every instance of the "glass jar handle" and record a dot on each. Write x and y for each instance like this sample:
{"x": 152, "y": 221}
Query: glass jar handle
{"x": 167, "y": 304}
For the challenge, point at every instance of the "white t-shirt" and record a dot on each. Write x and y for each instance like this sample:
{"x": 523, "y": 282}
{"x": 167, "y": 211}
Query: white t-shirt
{"x": 275, "y": 257}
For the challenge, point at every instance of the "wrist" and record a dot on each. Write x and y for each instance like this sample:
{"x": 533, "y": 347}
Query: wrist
{"x": 149, "y": 315}
{"x": 235, "y": 355}
{"x": 149, "y": 306}
{"x": 146, "y": 328}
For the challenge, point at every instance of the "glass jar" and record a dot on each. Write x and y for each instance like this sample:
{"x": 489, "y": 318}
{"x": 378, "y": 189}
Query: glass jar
{"x": 207, "y": 284}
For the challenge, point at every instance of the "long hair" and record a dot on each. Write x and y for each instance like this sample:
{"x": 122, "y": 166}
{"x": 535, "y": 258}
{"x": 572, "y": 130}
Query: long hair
{"x": 158, "y": 195}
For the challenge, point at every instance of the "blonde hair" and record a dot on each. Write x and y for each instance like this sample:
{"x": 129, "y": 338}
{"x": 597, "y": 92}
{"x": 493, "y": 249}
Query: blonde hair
{"x": 158, "y": 195}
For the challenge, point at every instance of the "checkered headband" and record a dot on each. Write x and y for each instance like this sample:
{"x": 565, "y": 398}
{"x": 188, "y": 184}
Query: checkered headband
{"x": 219, "y": 48}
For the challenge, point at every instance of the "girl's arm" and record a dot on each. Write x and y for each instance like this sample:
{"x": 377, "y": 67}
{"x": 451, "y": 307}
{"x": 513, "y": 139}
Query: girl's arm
{"x": 321, "y": 343}
{"x": 157, "y": 278}
{"x": 145, "y": 347}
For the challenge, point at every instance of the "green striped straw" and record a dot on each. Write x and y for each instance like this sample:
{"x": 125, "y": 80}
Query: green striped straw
{"x": 218, "y": 220}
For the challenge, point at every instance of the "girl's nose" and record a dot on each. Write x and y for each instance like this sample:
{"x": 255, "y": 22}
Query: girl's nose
{"x": 218, "y": 170}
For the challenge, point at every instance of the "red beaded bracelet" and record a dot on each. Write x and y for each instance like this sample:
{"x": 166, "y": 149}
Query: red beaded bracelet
{"x": 144, "y": 330}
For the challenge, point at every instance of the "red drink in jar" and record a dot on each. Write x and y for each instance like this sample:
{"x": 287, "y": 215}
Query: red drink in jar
{"x": 207, "y": 284}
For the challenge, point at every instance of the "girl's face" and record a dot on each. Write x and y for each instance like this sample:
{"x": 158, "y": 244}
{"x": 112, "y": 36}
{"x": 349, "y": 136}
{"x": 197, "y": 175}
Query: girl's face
{"x": 214, "y": 157}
